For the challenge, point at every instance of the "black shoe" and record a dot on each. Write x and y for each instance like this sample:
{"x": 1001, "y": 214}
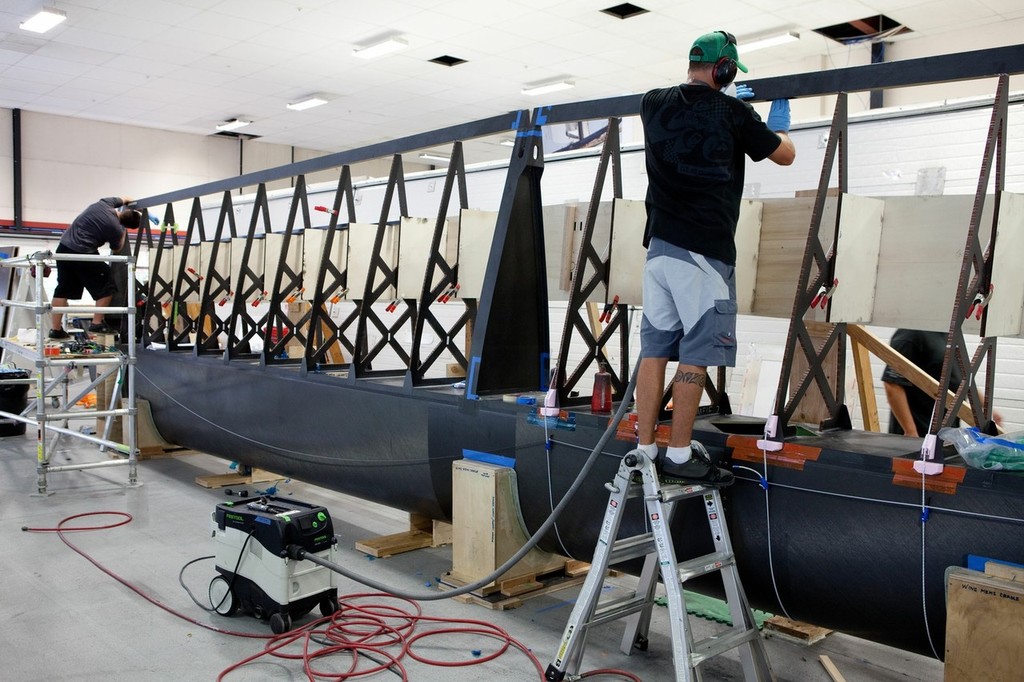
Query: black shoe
{"x": 59, "y": 334}
{"x": 101, "y": 328}
{"x": 698, "y": 469}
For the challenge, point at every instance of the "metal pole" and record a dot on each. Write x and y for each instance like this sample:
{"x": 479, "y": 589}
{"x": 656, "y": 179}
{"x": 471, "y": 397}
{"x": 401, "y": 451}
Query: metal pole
{"x": 129, "y": 421}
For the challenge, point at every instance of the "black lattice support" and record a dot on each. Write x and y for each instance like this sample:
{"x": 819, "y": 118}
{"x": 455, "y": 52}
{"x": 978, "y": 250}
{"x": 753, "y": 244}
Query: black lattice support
{"x": 282, "y": 328}
{"x": 382, "y": 278}
{"x": 973, "y": 290}
{"x": 439, "y": 287}
{"x": 590, "y": 275}
{"x": 160, "y": 289}
{"x": 331, "y": 287}
{"x": 213, "y": 318}
{"x": 817, "y": 268}
{"x": 248, "y": 318}
{"x": 184, "y": 313}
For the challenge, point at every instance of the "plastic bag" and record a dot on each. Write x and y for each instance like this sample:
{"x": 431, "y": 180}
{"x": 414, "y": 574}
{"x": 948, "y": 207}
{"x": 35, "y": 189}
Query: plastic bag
{"x": 995, "y": 453}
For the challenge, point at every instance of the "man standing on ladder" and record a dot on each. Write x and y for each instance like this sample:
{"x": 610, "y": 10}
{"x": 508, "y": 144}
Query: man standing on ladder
{"x": 696, "y": 140}
{"x": 100, "y": 223}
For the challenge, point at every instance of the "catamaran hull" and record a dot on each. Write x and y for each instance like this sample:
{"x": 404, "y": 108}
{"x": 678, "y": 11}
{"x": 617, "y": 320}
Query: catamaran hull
{"x": 837, "y": 540}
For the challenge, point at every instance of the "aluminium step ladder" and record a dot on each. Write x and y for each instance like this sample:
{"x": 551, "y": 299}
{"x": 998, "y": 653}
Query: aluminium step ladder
{"x": 637, "y": 477}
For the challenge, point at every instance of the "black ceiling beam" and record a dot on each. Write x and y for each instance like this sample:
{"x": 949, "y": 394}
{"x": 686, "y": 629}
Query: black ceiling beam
{"x": 922, "y": 71}
{"x": 464, "y": 131}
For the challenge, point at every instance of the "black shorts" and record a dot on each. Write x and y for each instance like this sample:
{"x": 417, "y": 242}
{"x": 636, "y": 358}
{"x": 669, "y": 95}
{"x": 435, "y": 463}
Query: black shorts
{"x": 74, "y": 277}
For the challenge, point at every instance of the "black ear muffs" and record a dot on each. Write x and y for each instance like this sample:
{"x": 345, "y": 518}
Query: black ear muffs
{"x": 723, "y": 72}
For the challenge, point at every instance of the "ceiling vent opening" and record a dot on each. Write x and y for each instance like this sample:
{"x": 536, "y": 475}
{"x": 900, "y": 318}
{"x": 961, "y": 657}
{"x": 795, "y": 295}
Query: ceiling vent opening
{"x": 448, "y": 60}
{"x": 237, "y": 136}
{"x": 625, "y": 11}
{"x": 867, "y": 30}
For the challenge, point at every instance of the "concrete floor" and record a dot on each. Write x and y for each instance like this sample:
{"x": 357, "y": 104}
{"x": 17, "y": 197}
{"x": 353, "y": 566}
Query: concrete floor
{"x": 61, "y": 618}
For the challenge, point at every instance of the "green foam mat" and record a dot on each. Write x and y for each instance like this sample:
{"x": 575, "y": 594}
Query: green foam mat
{"x": 710, "y": 608}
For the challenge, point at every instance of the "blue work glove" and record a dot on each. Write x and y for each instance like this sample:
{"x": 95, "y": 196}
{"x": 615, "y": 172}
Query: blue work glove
{"x": 744, "y": 92}
{"x": 778, "y": 116}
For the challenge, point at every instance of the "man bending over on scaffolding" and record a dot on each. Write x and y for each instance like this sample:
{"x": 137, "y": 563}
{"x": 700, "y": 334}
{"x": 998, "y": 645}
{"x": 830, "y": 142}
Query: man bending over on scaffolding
{"x": 100, "y": 223}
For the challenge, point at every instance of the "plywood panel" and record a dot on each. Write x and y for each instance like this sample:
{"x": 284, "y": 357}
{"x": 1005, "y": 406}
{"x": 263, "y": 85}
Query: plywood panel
{"x": 748, "y": 239}
{"x": 413, "y": 253}
{"x": 625, "y": 280}
{"x": 562, "y": 232}
{"x": 919, "y": 262}
{"x": 476, "y": 232}
{"x": 860, "y": 234}
{"x": 361, "y": 237}
{"x": 312, "y": 251}
{"x": 1006, "y": 307}
{"x": 984, "y": 640}
{"x": 784, "y": 227}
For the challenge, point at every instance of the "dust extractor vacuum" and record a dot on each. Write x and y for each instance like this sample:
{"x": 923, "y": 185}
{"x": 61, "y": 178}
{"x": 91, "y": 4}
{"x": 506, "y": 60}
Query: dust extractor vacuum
{"x": 255, "y": 573}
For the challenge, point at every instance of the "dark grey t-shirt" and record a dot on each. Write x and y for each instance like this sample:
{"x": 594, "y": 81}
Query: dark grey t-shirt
{"x": 95, "y": 226}
{"x": 696, "y": 138}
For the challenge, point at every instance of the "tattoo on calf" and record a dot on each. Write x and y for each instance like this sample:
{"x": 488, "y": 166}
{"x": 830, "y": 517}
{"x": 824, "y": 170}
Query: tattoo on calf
{"x": 697, "y": 378}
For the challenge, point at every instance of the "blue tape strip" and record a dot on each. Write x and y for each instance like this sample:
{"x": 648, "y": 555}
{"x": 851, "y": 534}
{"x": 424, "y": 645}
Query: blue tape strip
{"x": 488, "y": 458}
{"x": 263, "y": 519}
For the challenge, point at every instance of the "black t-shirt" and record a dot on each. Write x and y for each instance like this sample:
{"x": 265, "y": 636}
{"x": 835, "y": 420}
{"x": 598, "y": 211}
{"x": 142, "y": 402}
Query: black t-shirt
{"x": 696, "y": 138}
{"x": 95, "y": 226}
{"x": 926, "y": 350}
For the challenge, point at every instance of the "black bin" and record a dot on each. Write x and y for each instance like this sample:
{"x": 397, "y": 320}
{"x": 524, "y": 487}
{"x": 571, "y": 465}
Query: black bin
{"x": 14, "y": 399}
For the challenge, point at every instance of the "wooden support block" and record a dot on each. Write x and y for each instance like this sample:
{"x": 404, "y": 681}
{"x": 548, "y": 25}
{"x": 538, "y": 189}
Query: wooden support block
{"x": 396, "y": 543}
{"x": 498, "y": 601}
{"x": 803, "y": 633}
{"x": 984, "y": 640}
{"x": 442, "y": 532}
{"x": 224, "y": 480}
{"x": 486, "y": 526}
{"x": 1004, "y": 571}
{"x": 865, "y": 385}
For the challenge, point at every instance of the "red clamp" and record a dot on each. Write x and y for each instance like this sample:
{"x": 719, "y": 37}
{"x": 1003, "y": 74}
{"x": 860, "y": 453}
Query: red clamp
{"x": 609, "y": 308}
{"x": 824, "y": 294}
{"x": 447, "y": 294}
{"x": 980, "y": 301}
{"x": 227, "y": 298}
{"x": 392, "y": 306}
{"x": 324, "y": 209}
{"x": 259, "y": 299}
{"x": 192, "y": 271}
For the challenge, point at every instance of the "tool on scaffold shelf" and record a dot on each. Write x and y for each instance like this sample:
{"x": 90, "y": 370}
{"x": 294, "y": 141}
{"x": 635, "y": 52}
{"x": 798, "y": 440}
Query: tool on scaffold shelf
{"x": 637, "y": 477}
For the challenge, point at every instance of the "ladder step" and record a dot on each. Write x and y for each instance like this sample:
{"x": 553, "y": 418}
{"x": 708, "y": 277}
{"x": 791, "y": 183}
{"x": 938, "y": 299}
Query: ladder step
{"x": 632, "y": 547}
{"x": 702, "y": 565}
{"x": 618, "y": 608}
{"x": 713, "y": 646}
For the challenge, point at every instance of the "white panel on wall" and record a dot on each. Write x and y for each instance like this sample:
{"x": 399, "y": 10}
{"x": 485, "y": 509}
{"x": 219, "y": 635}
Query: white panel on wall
{"x": 414, "y": 241}
{"x": 361, "y": 237}
{"x": 257, "y": 256}
{"x": 476, "y": 232}
{"x": 1007, "y": 304}
{"x": 313, "y": 244}
{"x": 625, "y": 276}
{"x": 860, "y": 233}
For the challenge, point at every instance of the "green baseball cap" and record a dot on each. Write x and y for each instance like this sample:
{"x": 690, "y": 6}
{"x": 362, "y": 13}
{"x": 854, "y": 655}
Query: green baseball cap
{"x": 711, "y": 47}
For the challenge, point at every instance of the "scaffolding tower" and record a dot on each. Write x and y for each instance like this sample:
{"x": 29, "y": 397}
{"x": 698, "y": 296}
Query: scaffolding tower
{"x": 53, "y": 406}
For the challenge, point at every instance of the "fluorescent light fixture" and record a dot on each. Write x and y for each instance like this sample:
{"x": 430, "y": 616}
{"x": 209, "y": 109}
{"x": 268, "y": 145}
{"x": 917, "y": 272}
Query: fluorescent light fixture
{"x": 435, "y": 156}
{"x": 768, "y": 41}
{"x": 545, "y": 88}
{"x": 307, "y": 103}
{"x": 233, "y": 124}
{"x": 380, "y": 48}
{"x": 44, "y": 20}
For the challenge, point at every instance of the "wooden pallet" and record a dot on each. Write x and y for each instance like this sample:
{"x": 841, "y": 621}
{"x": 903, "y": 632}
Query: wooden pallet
{"x": 224, "y": 480}
{"x": 511, "y": 594}
{"x": 423, "y": 532}
{"x": 795, "y": 631}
